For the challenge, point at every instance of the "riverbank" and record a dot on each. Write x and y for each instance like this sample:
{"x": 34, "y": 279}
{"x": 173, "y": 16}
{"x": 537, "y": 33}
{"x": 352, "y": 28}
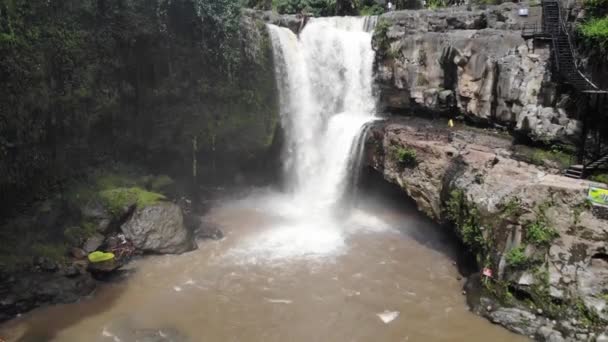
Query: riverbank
{"x": 530, "y": 227}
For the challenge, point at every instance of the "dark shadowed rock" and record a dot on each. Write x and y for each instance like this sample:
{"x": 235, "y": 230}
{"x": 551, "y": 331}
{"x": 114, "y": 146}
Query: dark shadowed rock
{"x": 159, "y": 228}
{"x": 27, "y": 291}
{"x": 203, "y": 229}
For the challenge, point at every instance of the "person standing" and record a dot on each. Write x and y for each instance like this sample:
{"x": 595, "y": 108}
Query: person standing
{"x": 389, "y": 6}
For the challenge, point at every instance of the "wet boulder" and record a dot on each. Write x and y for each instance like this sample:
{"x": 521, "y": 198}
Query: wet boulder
{"x": 159, "y": 228}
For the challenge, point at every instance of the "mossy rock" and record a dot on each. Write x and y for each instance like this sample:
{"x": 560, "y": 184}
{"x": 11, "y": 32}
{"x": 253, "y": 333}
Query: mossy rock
{"x": 119, "y": 200}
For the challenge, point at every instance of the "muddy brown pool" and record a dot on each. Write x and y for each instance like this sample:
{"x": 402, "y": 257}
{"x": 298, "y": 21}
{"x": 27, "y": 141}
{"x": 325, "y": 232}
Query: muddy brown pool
{"x": 381, "y": 273}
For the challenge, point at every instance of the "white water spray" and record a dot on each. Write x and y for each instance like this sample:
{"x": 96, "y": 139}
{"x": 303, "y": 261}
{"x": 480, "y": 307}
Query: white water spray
{"x": 325, "y": 82}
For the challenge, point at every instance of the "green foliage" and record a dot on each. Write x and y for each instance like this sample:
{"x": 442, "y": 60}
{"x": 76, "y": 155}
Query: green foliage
{"x": 516, "y": 257}
{"x": 539, "y": 232}
{"x": 380, "y": 37}
{"x": 596, "y": 31}
{"x": 118, "y": 199}
{"x": 86, "y": 82}
{"x": 601, "y": 178}
{"x": 258, "y": 4}
{"x": 369, "y": 10}
{"x": 512, "y": 209}
{"x": 315, "y": 8}
{"x": 467, "y": 220}
{"x": 406, "y": 156}
{"x": 432, "y": 4}
{"x": 540, "y": 157}
{"x": 500, "y": 290}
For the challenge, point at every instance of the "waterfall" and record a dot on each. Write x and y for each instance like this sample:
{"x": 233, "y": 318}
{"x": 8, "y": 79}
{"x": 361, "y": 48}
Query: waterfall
{"x": 325, "y": 79}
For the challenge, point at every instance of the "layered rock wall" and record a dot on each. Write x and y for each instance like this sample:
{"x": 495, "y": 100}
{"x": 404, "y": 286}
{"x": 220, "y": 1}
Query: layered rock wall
{"x": 473, "y": 63}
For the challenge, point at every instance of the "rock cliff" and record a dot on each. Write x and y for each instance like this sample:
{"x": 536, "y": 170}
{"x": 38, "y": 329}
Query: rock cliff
{"x": 544, "y": 244}
{"x": 473, "y": 63}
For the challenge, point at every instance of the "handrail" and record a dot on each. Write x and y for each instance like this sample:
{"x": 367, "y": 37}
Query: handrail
{"x": 564, "y": 27}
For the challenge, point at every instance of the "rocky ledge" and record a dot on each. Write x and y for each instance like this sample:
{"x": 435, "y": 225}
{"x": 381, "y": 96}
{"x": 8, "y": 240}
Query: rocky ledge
{"x": 475, "y": 63}
{"x": 543, "y": 243}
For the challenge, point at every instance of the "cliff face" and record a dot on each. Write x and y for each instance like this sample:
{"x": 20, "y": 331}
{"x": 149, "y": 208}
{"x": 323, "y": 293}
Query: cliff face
{"x": 545, "y": 245}
{"x": 473, "y": 63}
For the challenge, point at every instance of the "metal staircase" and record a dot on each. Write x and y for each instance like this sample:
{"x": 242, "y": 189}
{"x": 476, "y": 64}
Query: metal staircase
{"x": 555, "y": 28}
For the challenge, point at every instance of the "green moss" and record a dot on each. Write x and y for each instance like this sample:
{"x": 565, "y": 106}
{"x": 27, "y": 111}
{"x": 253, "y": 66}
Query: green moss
{"x": 406, "y": 156}
{"x": 516, "y": 257}
{"x": 118, "y": 199}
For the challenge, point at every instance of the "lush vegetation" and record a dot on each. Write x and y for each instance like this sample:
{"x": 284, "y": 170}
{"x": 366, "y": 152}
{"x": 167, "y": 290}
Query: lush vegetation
{"x": 86, "y": 82}
{"x": 466, "y": 218}
{"x": 595, "y": 29}
{"x": 319, "y": 8}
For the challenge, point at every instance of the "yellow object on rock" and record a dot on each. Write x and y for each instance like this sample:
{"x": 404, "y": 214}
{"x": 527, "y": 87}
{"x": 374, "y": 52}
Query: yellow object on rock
{"x": 451, "y": 123}
{"x": 98, "y": 256}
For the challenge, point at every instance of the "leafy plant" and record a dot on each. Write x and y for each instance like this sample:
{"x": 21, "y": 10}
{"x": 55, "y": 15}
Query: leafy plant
{"x": 516, "y": 257}
{"x": 381, "y": 40}
{"x": 406, "y": 156}
{"x": 539, "y": 232}
{"x": 596, "y": 30}
{"x": 466, "y": 218}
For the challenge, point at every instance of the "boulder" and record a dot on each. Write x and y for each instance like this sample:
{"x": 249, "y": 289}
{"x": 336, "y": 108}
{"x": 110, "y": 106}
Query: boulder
{"x": 93, "y": 243}
{"x": 159, "y": 228}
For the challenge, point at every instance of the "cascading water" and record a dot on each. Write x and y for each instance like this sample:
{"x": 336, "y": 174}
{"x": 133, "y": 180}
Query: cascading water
{"x": 325, "y": 80}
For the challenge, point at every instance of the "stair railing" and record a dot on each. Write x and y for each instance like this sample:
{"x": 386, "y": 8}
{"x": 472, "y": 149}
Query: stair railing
{"x": 565, "y": 28}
